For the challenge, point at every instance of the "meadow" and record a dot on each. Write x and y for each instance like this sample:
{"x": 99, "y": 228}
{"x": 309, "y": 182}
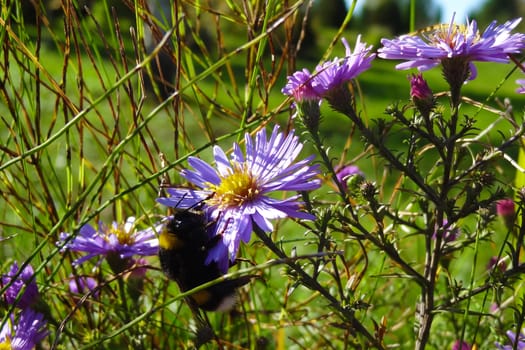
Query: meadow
{"x": 411, "y": 251}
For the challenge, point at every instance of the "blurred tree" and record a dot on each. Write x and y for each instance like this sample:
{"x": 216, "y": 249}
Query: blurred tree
{"x": 331, "y": 13}
{"x": 499, "y": 10}
{"x": 394, "y": 15}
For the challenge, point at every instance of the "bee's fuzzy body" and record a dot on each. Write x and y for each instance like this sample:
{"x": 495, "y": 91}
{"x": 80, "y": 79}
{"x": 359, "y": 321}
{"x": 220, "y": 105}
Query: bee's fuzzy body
{"x": 184, "y": 246}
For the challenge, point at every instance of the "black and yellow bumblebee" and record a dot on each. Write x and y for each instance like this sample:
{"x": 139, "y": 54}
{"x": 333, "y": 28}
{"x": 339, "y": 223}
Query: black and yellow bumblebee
{"x": 184, "y": 244}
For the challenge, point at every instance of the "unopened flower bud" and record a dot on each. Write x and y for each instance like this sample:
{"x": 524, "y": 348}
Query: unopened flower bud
{"x": 421, "y": 94}
{"x": 495, "y": 263}
{"x": 505, "y": 210}
{"x": 310, "y": 114}
{"x": 346, "y": 174}
{"x": 461, "y": 345}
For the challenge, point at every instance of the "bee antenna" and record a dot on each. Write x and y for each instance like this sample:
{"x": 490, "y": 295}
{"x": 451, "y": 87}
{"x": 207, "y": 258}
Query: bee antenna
{"x": 199, "y": 204}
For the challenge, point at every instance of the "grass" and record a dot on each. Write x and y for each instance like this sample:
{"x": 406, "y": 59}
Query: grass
{"x": 83, "y": 140}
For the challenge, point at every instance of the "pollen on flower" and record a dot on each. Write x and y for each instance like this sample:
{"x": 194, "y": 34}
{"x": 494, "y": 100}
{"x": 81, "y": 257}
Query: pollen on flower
{"x": 235, "y": 189}
{"x": 123, "y": 236}
{"x": 6, "y": 344}
{"x": 450, "y": 34}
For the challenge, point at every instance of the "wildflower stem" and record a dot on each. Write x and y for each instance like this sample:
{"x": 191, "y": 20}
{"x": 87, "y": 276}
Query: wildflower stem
{"x": 389, "y": 156}
{"x": 326, "y": 160}
{"x": 308, "y": 281}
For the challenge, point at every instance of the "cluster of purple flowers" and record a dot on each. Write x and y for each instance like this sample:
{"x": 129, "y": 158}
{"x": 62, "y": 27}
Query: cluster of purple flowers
{"x": 22, "y": 290}
{"x": 330, "y": 75}
{"x": 239, "y": 192}
{"x": 28, "y": 328}
{"x": 455, "y": 48}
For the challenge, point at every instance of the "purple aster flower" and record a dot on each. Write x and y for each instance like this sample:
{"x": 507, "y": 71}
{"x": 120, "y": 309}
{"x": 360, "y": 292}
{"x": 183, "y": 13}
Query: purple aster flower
{"x": 461, "y": 345}
{"x": 328, "y": 82}
{"x": 24, "y": 283}
{"x": 307, "y": 101}
{"x": 519, "y": 342}
{"x": 29, "y": 331}
{"x": 118, "y": 243}
{"x": 521, "y": 89}
{"x": 299, "y": 86}
{"x": 455, "y": 44}
{"x": 333, "y": 74}
{"x": 237, "y": 192}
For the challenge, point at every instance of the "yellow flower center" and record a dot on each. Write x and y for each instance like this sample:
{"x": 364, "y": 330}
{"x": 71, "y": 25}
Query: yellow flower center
{"x": 123, "y": 236}
{"x": 6, "y": 344}
{"x": 234, "y": 189}
{"x": 446, "y": 33}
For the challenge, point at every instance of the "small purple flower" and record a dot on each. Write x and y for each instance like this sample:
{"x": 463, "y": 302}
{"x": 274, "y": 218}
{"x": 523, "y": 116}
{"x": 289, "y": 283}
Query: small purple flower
{"x": 494, "y": 308}
{"x": 299, "y": 86}
{"x": 343, "y": 173}
{"x": 494, "y": 263}
{"x": 461, "y": 345}
{"x": 82, "y": 285}
{"x": 505, "y": 207}
{"x": 521, "y": 89}
{"x": 449, "y": 234}
{"x": 139, "y": 269}
{"x": 29, "y": 331}
{"x": 519, "y": 342}
{"x": 332, "y": 74}
{"x": 25, "y": 281}
{"x": 306, "y": 100}
{"x": 455, "y": 42}
{"x": 237, "y": 192}
{"x": 505, "y": 210}
{"x": 120, "y": 241}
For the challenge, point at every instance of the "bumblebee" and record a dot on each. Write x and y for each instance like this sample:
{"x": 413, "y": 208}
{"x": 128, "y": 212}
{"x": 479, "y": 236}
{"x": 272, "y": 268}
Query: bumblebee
{"x": 184, "y": 244}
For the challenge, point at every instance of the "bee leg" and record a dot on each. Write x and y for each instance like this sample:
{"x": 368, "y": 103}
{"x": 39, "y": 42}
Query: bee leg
{"x": 213, "y": 242}
{"x": 204, "y": 333}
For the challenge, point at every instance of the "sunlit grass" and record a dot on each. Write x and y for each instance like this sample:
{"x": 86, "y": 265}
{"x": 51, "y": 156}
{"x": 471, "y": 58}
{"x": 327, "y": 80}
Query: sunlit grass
{"x": 83, "y": 140}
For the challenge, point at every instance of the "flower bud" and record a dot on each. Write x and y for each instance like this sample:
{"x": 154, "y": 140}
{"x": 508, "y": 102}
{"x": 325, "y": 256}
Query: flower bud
{"x": 346, "y": 174}
{"x": 505, "y": 210}
{"x": 461, "y": 345}
{"x": 421, "y": 94}
{"x": 309, "y": 113}
{"x": 495, "y": 263}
